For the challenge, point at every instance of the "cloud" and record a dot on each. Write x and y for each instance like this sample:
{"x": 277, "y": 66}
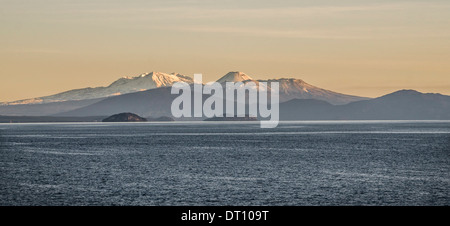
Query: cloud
{"x": 262, "y": 32}
{"x": 361, "y": 21}
{"x": 337, "y": 33}
{"x": 210, "y": 11}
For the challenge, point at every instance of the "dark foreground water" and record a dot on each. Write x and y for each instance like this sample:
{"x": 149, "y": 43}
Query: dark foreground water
{"x": 298, "y": 163}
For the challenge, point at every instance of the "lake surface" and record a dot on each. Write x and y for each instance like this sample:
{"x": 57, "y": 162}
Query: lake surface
{"x": 226, "y": 163}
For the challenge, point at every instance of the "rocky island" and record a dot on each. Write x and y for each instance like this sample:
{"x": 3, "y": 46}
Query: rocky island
{"x": 124, "y": 117}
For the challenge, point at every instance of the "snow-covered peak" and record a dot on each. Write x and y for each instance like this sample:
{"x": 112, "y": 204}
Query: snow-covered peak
{"x": 234, "y": 76}
{"x": 163, "y": 79}
{"x": 290, "y": 85}
{"x": 150, "y": 80}
{"x": 121, "y": 86}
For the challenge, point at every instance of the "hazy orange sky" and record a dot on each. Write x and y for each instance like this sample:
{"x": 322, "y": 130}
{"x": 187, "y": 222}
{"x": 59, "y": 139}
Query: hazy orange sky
{"x": 366, "y": 48}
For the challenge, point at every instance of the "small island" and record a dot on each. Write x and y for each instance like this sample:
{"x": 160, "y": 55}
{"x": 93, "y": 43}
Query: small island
{"x": 125, "y": 117}
{"x": 234, "y": 118}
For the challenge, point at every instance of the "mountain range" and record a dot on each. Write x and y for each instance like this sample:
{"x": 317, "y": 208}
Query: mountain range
{"x": 148, "y": 95}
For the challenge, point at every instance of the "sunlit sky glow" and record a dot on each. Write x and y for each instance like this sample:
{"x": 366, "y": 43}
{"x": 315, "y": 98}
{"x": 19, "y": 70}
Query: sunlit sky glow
{"x": 366, "y": 48}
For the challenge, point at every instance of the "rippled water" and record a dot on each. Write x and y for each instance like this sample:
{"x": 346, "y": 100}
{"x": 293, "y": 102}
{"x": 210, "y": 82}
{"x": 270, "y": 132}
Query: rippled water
{"x": 234, "y": 163}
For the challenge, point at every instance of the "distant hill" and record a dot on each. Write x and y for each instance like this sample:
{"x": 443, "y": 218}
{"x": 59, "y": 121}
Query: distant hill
{"x": 400, "y": 105}
{"x": 306, "y": 109}
{"x": 403, "y": 104}
{"x": 150, "y": 103}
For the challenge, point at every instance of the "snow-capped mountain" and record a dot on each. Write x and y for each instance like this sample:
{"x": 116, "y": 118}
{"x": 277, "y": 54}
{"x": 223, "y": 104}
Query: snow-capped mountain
{"x": 291, "y": 88}
{"x": 124, "y": 85}
{"x": 234, "y": 76}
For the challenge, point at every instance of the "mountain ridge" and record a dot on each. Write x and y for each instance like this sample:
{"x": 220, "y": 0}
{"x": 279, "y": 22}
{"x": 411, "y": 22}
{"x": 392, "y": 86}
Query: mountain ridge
{"x": 399, "y": 105}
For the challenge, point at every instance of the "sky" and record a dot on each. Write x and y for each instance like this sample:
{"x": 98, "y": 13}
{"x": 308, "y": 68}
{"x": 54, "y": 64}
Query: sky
{"x": 358, "y": 47}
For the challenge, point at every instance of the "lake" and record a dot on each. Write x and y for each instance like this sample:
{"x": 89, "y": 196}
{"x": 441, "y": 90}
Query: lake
{"x": 226, "y": 163}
